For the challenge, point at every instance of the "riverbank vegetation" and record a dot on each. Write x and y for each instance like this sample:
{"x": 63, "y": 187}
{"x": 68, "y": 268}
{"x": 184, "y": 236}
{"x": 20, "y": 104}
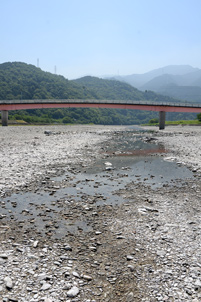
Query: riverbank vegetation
{"x": 195, "y": 122}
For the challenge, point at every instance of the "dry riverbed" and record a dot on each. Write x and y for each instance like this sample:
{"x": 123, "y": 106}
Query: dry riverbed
{"x": 108, "y": 235}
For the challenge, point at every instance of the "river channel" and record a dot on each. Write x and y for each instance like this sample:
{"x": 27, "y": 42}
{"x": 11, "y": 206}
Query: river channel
{"x": 131, "y": 158}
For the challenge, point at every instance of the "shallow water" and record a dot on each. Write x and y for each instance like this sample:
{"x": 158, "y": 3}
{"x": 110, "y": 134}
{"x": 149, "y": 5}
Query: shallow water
{"x": 130, "y": 162}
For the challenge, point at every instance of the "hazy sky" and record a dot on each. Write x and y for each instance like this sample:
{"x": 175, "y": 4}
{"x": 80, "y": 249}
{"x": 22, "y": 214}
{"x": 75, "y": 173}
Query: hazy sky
{"x": 100, "y": 37}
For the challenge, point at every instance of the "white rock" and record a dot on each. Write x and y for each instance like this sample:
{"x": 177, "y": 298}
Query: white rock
{"x": 198, "y": 283}
{"x": 87, "y": 277}
{"x": 45, "y": 286}
{"x": 75, "y": 274}
{"x": 129, "y": 257}
{"x": 35, "y": 244}
{"x": 73, "y": 292}
{"x": 171, "y": 158}
{"x": 8, "y": 282}
{"x": 109, "y": 168}
{"x": 108, "y": 163}
{"x": 48, "y": 300}
{"x": 42, "y": 276}
{"x": 4, "y": 256}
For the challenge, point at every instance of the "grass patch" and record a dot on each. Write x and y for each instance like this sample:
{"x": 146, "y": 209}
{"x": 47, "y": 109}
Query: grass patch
{"x": 181, "y": 122}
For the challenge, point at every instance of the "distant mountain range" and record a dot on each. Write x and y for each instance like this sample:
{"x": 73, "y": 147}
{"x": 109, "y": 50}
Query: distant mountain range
{"x": 178, "y": 81}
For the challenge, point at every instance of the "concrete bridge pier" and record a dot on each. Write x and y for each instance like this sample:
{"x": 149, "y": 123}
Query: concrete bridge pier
{"x": 162, "y": 120}
{"x": 4, "y": 117}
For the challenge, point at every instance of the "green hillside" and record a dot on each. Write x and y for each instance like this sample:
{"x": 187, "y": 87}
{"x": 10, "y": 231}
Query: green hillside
{"x": 22, "y": 81}
{"x": 116, "y": 90}
{"x": 110, "y": 89}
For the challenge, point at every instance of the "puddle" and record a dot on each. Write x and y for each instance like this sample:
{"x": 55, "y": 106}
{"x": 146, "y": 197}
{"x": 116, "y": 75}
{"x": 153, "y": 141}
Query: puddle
{"x": 153, "y": 171}
{"x": 43, "y": 211}
{"x": 137, "y": 147}
{"x": 97, "y": 183}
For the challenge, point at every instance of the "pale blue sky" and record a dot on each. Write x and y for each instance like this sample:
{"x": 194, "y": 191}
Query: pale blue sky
{"x": 101, "y": 37}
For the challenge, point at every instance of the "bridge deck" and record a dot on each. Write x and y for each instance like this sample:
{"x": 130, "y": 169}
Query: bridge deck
{"x": 162, "y": 108}
{"x": 118, "y": 104}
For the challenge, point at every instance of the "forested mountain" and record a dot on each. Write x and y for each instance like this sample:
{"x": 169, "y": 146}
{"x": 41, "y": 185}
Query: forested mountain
{"x": 22, "y": 81}
{"x": 116, "y": 90}
{"x": 182, "y": 82}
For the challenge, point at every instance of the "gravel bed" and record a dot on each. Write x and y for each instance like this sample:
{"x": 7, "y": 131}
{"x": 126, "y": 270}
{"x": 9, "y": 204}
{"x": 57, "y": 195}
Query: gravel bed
{"x": 146, "y": 248}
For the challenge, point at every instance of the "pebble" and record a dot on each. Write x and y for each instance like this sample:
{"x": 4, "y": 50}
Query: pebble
{"x": 73, "y": 292}
{"x": 131, "y": 267}
{"x": 67, "y": 286}
{"x": 35, "y": 244}
{"x": 48, "y": 300}
{"x": 43, "y": 276}
{"x": 87, "y": 277}
{"x": 68, "y": 248}
{"x": 4, "y": 256}
{"x": 75, "y": 274}
{"x": 8, "y": 282}
{"x": 45, "y": 286}
{"x": 198, "y": 283}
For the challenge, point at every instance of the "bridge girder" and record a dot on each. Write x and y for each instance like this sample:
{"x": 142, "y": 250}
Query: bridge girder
{"x": 162, "y": 108}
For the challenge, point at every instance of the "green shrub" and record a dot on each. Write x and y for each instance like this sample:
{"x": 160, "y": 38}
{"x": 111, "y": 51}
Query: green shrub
{"x": 199, "y": 117}
{"x": 154, "y": 121}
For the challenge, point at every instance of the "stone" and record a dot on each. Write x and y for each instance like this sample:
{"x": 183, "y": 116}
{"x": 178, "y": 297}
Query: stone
{"x": 48, "y": 300}
{"x": 48, "y": 132}
{"x": 75, "y": 274}
{"x": 131, "y": 267}
{"x": 87, "y": 277}
{"x": 93, "y": 248}
{"x": 67, "y": 248}
{"x": 45, "y": 286}
{"x": 198, "y": 283}
{"x": 67, "y": 286}
{"x": 109, "y": 168}
{"x": 35, "y": 244}
{"x": 108, "y": 164}
{"x": 4, "y": 256}
{"x": 44, "y": 276}
{"x": 130, "y": 296}
{"x": 8, "y": 282}
{"x": 73, "y": 292}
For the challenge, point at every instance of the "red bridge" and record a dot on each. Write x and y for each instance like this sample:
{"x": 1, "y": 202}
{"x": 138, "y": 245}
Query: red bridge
{"x": 162, "y": 108}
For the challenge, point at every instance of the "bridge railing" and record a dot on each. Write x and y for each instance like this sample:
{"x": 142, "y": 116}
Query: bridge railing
{"x": 95, "y": 101}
